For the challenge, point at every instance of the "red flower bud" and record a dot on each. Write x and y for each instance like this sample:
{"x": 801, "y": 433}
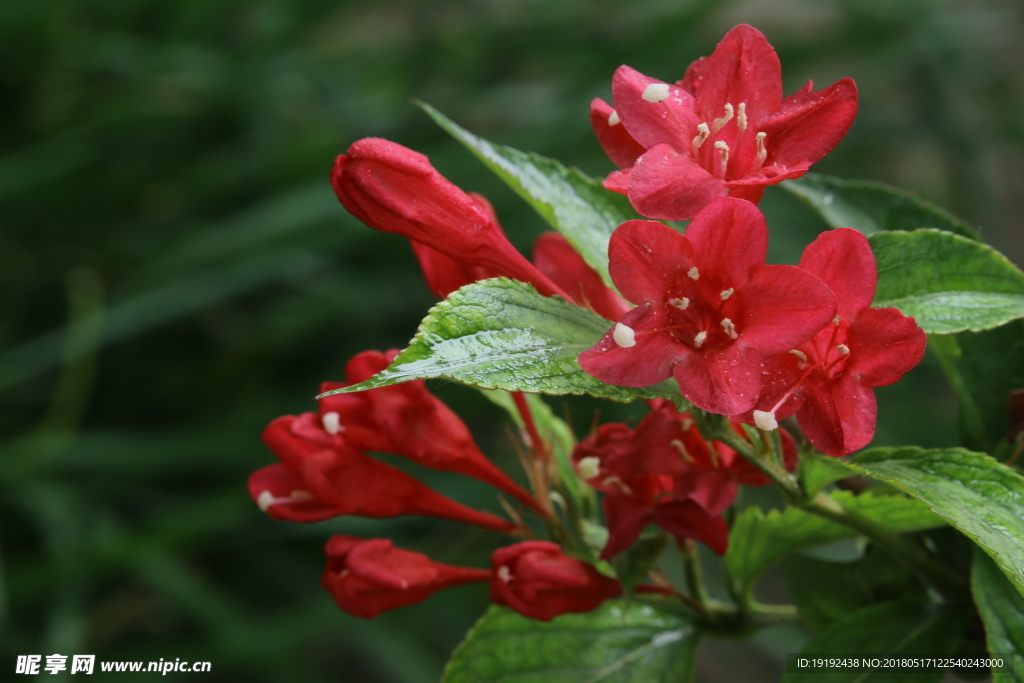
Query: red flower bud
{"x": 372, "y": 576}
{"x": 394, "y": 189}
{"x": 556, "y": 258}
{"x": 537, "y": 580}
{"x": 407, "y": 420}
{"x": 322, "y": 476}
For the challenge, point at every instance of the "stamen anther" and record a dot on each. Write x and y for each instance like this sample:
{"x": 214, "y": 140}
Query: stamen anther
{"x": 765, "y": 420}
{"x": 656, "y": 92}
{"x": 801, "y": 355}
{"x": 613, "y": 118}
{"x": 681, "y": 447}
{"x": 726, "y": 293}
{"x": 698, "y": 341}
{"x": 693, "y": 273}
{"x": 741, "y": 117}
{"x": 589, "y": 467}
{"x": 730, "y": 328}
{"x": 836, "y": 320}
{"x": 843, "y": 349}
{"x": 332, "y": 423}
{"x": 682, "y": 304}
{"x": 762, "y": 153}
{"x": 698, "y": 140}
{"x": 723, "y": 161}
{"x": 504, "y": 574}
{"x": 624, "y": 335}
{"x": 722, "y": 120}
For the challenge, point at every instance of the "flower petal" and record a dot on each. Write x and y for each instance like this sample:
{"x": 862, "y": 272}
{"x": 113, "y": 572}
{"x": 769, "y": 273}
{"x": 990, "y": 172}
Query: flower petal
{"x": 725, "y": 381}
{"x": 556, "y": 258}
{"x": 670, "y": 185}
{"x": 729, "y": 238}
{"x": 838, "y": 416}
{"x": 616, "y": 141}
{"x": 626, "y": 517}
{"x": 687, "y": 519}
{"x": 670, "y": 120}
{"x": 810, "y": 124}
{"x": 843, "y": 259}
{"x": 617, "y": 181}
{"x": 884, "y": 345}
{"x": 785, "y": 307}
{"x": 648, "y": 362}
{"x": 645, "y": 258}
{"x": 743, "y": 68}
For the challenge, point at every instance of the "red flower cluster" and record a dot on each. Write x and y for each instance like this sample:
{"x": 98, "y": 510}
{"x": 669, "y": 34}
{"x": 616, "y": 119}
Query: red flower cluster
{"x": 665, "y": 473}
{"x": 723, "y": 129}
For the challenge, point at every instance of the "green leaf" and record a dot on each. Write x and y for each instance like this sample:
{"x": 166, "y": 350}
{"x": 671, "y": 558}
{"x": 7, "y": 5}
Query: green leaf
{"x": 983, "y": 367}
{"x": 982, "y": 497}
{"x": 612, "y": 644}
{"x": 825, "y": 592}
{"x": 818, "y": 471}
{"x": 1002, "y": 610}
{"x": 759, "y": 540}
{"x": 502, "y": 334}
{"x": 890, "y": 629}
{"x": 575, "y": 204}
{"x": 871, "y": 207}
{"x": 948, "y": 283}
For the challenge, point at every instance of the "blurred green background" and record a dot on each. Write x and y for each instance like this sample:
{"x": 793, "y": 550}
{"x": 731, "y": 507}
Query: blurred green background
{"x": 176, "y": 273}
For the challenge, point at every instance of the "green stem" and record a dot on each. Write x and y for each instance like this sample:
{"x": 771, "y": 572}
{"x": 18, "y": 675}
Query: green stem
{"x": 694, "y": 574}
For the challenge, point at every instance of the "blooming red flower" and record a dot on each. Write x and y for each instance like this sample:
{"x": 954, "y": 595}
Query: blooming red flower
{"x": 367, "y": 577}
{"x": 723, "y": 129}
{"x": 539, "y": 581}
{"x": 322, "y": 476}
{"x": 708, "y": 308}
{"x": 556, "y": 258}
{"x": 828, "y": 380}
{"x": 394, "y": 189}
{"x": 407, "y": 420}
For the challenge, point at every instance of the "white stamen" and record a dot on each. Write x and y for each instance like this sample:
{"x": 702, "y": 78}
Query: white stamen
{"x": 698, "y": 140}
{"x": 721, "y": 121}
{"x": 589, "y": 467}
{"x": 765, "y": 420}
{"x": 613, "y": 118}
{"x": 723, "y": 161}
{"x": 801, "y": 355}
{"x": 656, "y": 92}
{"x": 681, "y": 447}
{"x": 741, "y": 117}
{"x": 726, "y": 293}
{"x": 699, "y": 339}
{"x": 729, "y": 328}
{"x": 843, "y": 349}
{"x": 836, "y": 320}
{"x": 504, "y": 574}
{"x": 762, "y": 153}
{"x": 332, "y": 422}
{"x": 693, "y": 273}
{"x": 624, "y": 335}
{"x": 266, "y": 498}
{"x": 681, "y": 304}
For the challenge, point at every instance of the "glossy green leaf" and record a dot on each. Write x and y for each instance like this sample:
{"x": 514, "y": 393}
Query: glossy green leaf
{"x": 575, "y": 204}
{"x": 818, "y": 471}
{"x": 1002, "y": 610}
{"x": 612, "y": 644}
{"x": 948, "y": 283}
{"x": 758, "y": 539}
{"x": 983, "y": 368}
{"x": 890, "y": 629}
{"x": 871, "y": 207}
{"x": 502, "y": 334}
{"x": 982, "y": 497}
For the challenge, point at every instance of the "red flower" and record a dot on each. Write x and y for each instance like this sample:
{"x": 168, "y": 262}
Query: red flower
{"x": 322, "y": 476}
{"x": 556, "y": 258}
{"x": 723, "y": 129}
{"x": 407, "y": 420}
{"x": 709, "y": 309}
{"x": 372, "y": 576}
{"x": 537, "y": 580}
{"x": 394, "y": 189}
{"x": 828, "y": 380}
